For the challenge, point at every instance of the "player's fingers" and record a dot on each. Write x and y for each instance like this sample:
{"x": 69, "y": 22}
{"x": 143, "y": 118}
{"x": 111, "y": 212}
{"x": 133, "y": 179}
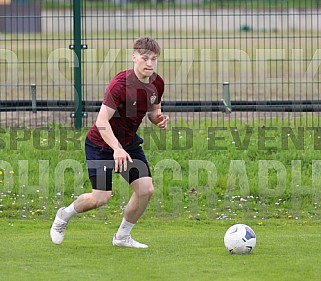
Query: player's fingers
{"x": 129, "y": 158}
{"x": 163, "y": 123}
{"x": 125, "y": 161}
{"x": 120, "y": 165}
{"x": 125, "y": 165}
{"x": 116, "y": 165}
{"x": 159, "y": 116}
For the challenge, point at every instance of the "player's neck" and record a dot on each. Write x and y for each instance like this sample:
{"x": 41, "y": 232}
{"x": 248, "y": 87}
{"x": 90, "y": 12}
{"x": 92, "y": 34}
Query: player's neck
{"x": 143, "y": 79}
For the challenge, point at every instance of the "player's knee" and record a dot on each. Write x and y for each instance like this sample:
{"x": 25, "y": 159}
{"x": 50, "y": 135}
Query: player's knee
{"x": 148, "y": 192}
{"x": 151, "y": 191}
{"x": 144, "y": 187}
{"x": 102, "y": 199}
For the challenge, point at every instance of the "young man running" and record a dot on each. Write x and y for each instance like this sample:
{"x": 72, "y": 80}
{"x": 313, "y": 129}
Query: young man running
{"x": 112, "y": 144}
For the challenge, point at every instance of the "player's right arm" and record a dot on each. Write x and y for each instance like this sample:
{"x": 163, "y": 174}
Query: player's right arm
{"x": 106, "y": 132}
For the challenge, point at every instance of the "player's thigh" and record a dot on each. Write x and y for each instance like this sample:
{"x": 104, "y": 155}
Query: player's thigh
{"x": 100, "y": 163}
{"x": 139, "y": 168}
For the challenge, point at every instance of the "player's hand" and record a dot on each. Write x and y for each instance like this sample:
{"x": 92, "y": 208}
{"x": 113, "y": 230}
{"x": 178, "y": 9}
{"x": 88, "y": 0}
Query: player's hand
{"x": 162, "y": 121}
{"x": 121, "y": 157}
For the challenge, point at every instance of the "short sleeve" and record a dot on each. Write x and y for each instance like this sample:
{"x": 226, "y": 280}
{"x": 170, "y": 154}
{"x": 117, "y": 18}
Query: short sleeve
{"x": 112, "y": 96}
{"x": 159, "y": 84}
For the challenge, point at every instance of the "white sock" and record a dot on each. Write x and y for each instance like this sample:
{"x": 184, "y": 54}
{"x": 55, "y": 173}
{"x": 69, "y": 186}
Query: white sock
{"x": 68, "y": 212}
{"x": 124, "y": 229}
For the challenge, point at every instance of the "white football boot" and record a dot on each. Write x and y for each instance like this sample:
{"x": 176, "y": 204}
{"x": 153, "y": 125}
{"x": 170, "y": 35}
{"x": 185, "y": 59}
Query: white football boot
{"x": 128, "y": 242}
{"x": 58, "y": 228}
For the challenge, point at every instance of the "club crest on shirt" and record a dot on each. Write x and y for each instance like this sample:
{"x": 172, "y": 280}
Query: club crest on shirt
{"x": 153, "y": 98}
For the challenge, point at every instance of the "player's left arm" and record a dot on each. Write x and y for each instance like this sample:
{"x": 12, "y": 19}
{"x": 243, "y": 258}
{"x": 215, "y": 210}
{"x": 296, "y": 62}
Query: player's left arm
{"x": 156, "y": 116}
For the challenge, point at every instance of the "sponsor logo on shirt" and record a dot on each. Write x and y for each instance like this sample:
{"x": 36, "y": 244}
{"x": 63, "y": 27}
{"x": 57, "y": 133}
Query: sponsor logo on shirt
{"x": 153, "y": 98}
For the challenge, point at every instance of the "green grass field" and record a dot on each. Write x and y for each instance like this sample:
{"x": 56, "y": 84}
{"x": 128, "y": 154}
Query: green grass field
{"x": 206, "y": 180}
{"x": 179, "y": 250}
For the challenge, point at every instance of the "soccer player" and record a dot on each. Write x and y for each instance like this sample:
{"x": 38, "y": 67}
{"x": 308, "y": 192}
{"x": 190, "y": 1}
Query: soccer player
{"x": 113, "y": 144}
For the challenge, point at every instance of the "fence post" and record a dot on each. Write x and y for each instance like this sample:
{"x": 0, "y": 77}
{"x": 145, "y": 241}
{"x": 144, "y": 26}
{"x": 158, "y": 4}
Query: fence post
{"x": 33, "y": 90}
{"x": 77, "y": 63}
{"x": 226, "y": 97}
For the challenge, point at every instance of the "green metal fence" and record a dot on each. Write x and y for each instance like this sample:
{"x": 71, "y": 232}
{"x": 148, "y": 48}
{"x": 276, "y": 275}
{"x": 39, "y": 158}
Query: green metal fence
{"x": 57, "y": 57}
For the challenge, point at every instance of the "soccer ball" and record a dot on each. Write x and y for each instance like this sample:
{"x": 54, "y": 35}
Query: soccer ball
{"x": 240, "y": 239}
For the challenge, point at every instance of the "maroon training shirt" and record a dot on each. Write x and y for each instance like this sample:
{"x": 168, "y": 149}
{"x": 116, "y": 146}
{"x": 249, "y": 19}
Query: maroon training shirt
{"x": 131, "y": 99}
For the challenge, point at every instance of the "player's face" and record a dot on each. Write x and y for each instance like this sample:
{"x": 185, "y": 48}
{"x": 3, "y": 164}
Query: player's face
{"x": 144, "y": 64}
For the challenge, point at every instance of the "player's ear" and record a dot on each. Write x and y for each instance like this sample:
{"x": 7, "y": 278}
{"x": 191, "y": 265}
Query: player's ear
{"x": 134, "y": 57}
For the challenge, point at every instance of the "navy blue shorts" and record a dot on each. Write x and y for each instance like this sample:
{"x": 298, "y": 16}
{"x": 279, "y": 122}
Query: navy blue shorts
{"x": 101, "y": 163}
